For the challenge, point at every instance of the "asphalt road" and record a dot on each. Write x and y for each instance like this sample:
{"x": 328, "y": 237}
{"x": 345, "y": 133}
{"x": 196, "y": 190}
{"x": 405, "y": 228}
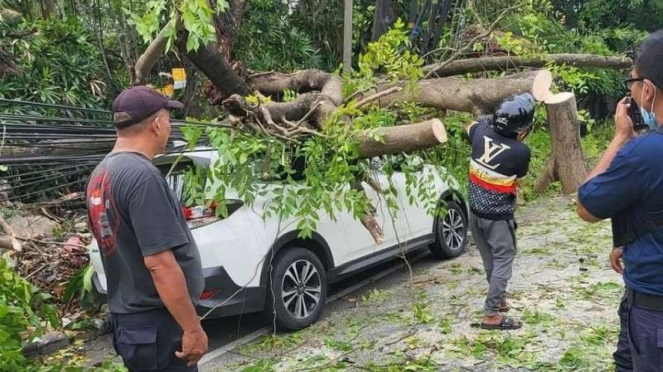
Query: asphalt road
{"x": 224, "y": 331}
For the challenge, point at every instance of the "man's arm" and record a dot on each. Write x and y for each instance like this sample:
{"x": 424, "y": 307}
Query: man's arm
{"x": 170, "y": 284}
{"x": 623, "y": 134}
{"x": 606, "y": 159}
{"x": 585, "y": 215}
{"x": 468, "y": 128}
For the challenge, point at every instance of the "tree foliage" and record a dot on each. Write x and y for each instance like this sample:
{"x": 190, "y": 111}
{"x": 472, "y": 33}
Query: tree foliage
{"x": 270, "y": 39}
{"x": 24, "y": 310}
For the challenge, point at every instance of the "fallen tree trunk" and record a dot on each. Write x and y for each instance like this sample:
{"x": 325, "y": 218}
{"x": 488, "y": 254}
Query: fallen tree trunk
{"x": 402, "y": 138}
{"x": 567, "y": 162}
{"x": 274, "y": 83}
{"x": 479, "y": 96}
{"x": 217, "y": 69}
{"x": 503, "y": 63}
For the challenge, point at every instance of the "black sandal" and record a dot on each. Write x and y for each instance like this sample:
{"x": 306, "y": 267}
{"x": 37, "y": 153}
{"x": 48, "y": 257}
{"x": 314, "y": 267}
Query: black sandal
{"x": 506, "y": 324}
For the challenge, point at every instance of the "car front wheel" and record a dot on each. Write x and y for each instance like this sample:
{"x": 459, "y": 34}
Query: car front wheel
{"x": 450, "y": 232}
{"x": 297, "y": 291}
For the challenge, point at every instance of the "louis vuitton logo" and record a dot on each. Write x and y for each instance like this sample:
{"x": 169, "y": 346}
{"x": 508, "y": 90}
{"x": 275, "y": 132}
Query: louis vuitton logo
{"x": 491, "y": 150}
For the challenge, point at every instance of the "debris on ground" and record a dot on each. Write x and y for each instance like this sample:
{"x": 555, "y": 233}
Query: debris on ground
{"x": 50, "y": 265}
{"x": 53, "y": 255}
{"x": 570, "y": 315}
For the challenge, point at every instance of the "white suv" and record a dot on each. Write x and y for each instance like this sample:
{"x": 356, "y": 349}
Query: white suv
{"x": 252, "y": 263}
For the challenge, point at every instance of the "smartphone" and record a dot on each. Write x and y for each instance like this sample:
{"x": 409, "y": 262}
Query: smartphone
{"x": 635, "y": 115}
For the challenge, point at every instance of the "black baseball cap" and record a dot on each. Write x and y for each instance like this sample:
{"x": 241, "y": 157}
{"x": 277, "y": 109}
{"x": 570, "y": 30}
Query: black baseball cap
{"x": 137, "y": 103}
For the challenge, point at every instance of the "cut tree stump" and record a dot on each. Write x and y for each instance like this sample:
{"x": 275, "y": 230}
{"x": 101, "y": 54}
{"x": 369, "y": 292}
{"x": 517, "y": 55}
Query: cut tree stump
{"x": 567, "y": 162}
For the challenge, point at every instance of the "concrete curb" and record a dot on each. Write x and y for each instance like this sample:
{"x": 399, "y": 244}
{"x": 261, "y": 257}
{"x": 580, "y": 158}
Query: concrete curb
{"x": 55, "y": 341}
{"x": 46, "y": 344}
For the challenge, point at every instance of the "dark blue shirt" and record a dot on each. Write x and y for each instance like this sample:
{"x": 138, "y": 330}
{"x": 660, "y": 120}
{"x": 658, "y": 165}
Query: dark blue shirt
{"x": 634, "y": 180}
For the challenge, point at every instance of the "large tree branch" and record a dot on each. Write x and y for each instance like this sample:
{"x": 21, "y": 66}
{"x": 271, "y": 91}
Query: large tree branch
{"x": 478, "y": 96}
{"x": 504, "y": 63}
{"x": 321, "y": 93}
{"x": 209, "y": 60}
{"x": 151, "y": 55}
{"x": 280, "y": 112}
{"x": 402, "y": 138}
{"x": 273, "y": 83}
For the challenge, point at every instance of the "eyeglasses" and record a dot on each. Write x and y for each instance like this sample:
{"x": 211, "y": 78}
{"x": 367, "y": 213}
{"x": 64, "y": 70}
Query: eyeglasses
{"x": 629, "y": 82}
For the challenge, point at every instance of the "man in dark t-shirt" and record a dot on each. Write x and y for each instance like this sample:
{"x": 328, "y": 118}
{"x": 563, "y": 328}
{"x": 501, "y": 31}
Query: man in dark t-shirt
{"x": 499, "y": 159}
{"x": 151, "y": 261}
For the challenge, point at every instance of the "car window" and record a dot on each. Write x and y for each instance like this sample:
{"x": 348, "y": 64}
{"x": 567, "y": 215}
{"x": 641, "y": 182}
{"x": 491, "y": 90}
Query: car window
{"x": 176, "y": 178}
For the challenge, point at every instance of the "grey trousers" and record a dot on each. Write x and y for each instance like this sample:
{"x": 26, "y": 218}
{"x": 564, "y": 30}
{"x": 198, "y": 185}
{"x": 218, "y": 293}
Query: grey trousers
{"x": 496, "y": 241}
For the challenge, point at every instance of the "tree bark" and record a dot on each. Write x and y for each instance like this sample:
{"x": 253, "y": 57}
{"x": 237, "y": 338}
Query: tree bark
{"x": 567, "y": 162}
{"x": 368, "y": 219}
{"x": 151, "y": 55}
{"x": 275, "y": 114}
{"x": 402, "y": 138}
{"x": 209, "y": 60}
{"x": 6, "y": 242}
{"x": 227, "y": 26}
{"x": 191, "y": 108}
{"x": 274, "y": 83}
{"x": 383, "y": 17}
{"x": 504, "y": 63}
{"x": 479, "y": 96}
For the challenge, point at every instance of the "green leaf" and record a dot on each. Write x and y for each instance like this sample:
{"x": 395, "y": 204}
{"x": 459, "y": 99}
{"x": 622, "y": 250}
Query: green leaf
{"x": 192, "y": 43}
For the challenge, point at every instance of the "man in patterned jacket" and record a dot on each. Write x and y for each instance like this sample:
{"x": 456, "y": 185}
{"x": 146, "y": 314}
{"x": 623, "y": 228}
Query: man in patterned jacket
{"x": 499, "y": 159}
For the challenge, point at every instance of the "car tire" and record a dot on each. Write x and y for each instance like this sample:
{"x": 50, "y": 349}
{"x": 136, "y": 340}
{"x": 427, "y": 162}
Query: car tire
{"x": 293, "y": 302}
{"x": 450, "y": 232}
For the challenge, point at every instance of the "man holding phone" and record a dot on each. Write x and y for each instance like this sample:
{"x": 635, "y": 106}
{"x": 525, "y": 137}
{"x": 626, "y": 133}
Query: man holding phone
{"x": 627, "y": 183}
{"x": 622, "y": 355}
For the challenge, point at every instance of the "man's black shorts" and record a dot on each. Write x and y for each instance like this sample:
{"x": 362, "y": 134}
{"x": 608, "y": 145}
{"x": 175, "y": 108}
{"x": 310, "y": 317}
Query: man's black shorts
{"x": 147, "y": 341}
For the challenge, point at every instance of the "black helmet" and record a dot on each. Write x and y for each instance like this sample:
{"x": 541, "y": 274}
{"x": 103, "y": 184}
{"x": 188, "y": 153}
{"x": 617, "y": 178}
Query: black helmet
{"x": 514, "y": 115}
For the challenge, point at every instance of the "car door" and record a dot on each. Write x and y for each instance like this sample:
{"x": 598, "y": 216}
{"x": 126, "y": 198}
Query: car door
{"x": 360, "y": 242}
{"x": 417, "y": 218}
